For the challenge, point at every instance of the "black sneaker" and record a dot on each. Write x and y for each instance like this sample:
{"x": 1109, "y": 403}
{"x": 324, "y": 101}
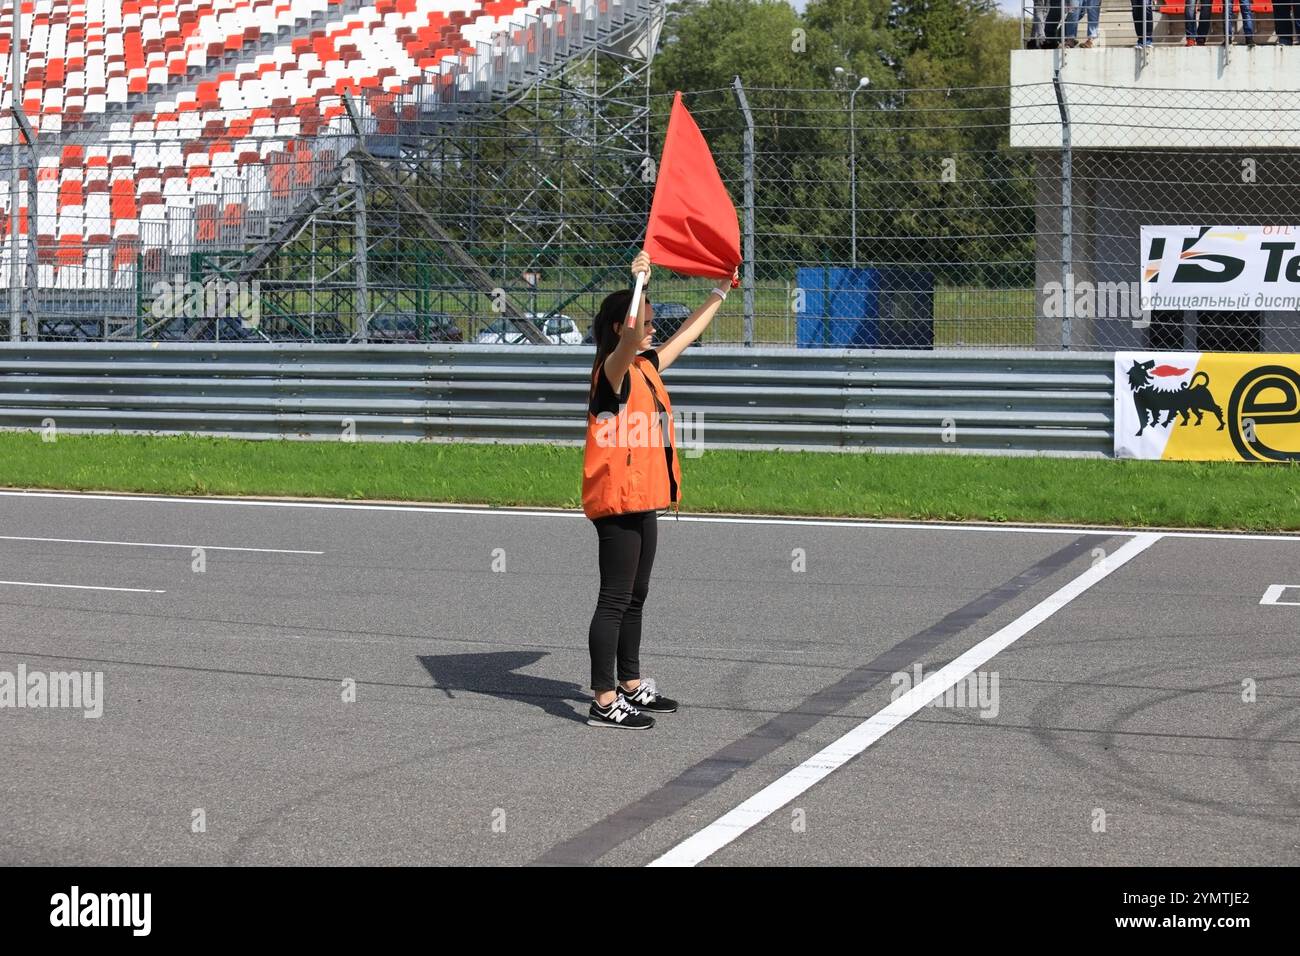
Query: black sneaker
{"x": 619, "y": 714}
{"x": 647, "y": 697}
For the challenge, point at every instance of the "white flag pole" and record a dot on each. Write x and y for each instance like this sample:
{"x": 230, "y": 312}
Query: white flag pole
{"x": 636, "y": 299}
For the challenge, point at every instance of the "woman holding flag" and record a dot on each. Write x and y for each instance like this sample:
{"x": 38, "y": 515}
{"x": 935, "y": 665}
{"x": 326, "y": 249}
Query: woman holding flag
{"x": 630, "y": 465}
{"x": 630, "y": 471}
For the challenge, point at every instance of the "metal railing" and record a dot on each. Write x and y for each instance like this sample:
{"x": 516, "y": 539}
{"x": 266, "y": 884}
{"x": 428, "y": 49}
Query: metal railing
{"x": 1002, "y": 402}
{"x": 1052, "y": 24}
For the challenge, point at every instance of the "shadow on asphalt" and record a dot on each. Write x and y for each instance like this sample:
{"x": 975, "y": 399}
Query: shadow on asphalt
{"x": 495, "y": 674}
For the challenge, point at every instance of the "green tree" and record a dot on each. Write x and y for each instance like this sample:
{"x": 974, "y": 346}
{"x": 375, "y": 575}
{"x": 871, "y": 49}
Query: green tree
{"x": 937, "y": 186}
{"x": 705, "y": 44}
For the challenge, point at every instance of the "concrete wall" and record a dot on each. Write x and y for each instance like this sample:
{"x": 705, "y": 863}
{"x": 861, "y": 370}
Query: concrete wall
{"x": 1168, "y": 97}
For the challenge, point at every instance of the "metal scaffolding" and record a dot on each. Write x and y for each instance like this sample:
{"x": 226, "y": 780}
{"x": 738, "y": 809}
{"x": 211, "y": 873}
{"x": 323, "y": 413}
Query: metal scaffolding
{"x": 464, "y": 214}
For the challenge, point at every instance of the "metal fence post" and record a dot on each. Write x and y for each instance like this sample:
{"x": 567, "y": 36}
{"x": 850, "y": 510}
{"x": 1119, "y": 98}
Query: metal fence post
{"x": 1067, "y": 211}
{"x": 31, "y": 278}
{"x": 1227, "y": 31}
{"x": 15, "y": 72}
{"x": 747, "y": 229}
{"x": 359, "y": 262}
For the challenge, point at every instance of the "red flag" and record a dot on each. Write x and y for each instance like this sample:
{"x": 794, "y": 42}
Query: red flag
{"x": 693, "y": 228}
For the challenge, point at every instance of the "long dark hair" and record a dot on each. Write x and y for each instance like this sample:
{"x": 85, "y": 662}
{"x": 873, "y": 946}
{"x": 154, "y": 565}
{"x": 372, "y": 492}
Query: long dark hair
{"x": 612, "y": 312}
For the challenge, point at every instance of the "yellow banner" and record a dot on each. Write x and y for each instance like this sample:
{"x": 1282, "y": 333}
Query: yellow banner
{"x": 1207, "y": 406}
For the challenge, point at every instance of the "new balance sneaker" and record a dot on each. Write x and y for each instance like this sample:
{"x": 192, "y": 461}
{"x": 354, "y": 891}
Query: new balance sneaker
{"x": 619, "y": 714}
{"x": 647, "y": 697}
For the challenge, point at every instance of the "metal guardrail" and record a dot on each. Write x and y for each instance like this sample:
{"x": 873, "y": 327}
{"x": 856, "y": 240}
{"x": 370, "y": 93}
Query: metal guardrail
{"x": 1006, "y": 402}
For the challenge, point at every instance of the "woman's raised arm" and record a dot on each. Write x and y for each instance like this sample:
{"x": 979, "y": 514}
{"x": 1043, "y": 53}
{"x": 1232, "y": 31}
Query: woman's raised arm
{"x": 690, "y": 330}
{"x": 629, "y": 336}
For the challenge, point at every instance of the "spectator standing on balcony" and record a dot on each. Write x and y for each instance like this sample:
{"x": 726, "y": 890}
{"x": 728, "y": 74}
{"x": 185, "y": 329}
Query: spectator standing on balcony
{"x": 1205, "y": 16}
{"x": 1189, "y": 19}
{"x": 1247, "y": 22}
{"x": 1286, "y": 19}
{"x": 1046, "y": 33}
{"x": 1204, "y": 19}
{"x": 1144, "y": 21}
{"x": 1093, "y": 10}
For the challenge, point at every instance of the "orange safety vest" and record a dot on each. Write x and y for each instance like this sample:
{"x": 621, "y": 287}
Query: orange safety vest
{"x": 625, "y": 465}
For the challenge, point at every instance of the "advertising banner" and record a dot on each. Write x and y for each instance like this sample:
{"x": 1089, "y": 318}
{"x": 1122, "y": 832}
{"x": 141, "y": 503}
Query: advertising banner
{"x": 1207, "y": 406}
{"x": 1221, "y": 268}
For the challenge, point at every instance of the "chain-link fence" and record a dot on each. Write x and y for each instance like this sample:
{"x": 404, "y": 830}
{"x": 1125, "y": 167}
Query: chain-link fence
{"x": 1123, "y": 172}
{"x": 994, "y": 217}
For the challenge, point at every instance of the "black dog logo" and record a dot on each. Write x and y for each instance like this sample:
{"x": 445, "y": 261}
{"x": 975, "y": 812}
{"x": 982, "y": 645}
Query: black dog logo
{"x": 1189, "y": 398}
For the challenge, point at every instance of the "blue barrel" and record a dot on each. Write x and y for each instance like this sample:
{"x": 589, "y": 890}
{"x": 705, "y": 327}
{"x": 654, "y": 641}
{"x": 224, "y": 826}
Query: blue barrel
{"x": 865, "y": 308}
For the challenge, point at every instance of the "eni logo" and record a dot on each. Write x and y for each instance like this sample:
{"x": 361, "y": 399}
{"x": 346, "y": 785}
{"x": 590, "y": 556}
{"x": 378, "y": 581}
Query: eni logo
{"x": 1268, "y": 395}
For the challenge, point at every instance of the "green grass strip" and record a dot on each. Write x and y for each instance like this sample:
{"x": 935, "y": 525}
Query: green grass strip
{"x": 912, "y": 486}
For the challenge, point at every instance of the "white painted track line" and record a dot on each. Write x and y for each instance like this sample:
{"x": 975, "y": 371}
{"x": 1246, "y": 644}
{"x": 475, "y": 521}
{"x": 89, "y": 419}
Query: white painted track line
{"x": 79, "y": 587}
{"x": 777, "y": 794}
{"x": 486, "y": 511}
{"x": 149, "y": 544}
{"x": 1274, "y": 594}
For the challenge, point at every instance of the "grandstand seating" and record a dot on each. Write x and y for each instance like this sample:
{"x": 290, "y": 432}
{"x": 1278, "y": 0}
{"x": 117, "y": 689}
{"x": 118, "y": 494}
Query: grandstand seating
{"x": 182, "y": 124}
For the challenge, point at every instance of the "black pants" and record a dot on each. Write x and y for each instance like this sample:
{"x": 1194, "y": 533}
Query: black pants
{"x": 1047, "y": 22}
{"x": 1286, "y": 20}
{"x": 1144, "y": 23}
{"x": 627, "y": 553}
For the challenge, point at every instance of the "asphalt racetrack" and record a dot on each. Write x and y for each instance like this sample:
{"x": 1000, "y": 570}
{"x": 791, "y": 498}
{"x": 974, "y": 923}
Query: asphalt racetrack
{"x": 370, "y": 684}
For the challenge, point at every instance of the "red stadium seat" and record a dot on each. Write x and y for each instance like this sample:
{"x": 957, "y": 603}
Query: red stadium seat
{"x": 1175, "y": 8}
